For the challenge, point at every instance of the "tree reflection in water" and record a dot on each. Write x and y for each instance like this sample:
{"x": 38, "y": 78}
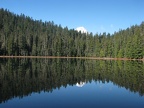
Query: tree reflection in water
{"x": 21, "y": 77}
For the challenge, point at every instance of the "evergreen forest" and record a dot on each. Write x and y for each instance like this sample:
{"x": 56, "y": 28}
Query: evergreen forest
{"x": 21, "y": 35}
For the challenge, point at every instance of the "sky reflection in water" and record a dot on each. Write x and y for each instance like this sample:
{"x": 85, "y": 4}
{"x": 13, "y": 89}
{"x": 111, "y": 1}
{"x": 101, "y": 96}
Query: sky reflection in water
{"x": 91, "y": 95}
{"x": 53, "y": 83}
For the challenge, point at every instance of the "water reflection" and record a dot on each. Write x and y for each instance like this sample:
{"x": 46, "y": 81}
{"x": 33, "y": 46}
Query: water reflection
{"x": 80, "y": 84}
{"x": 22, "y": 77}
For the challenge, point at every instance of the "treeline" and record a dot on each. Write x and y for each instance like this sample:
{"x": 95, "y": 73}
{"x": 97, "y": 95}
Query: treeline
{"x": 21, "y": 77}
{"x": 22, "y": 35}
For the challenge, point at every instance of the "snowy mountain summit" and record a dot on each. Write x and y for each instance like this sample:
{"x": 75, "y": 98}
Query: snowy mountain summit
{"x": 82, "y": 29}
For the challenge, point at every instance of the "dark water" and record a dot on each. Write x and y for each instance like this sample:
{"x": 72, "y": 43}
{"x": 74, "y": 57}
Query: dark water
{"x": 71, "y": 83}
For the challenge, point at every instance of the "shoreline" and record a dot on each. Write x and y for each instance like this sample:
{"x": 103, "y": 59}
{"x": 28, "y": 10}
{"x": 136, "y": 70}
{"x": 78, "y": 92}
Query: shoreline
{"x": 93, "y": 58}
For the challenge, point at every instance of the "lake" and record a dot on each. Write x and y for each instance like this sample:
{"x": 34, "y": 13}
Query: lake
{"x": 71, "y": 83}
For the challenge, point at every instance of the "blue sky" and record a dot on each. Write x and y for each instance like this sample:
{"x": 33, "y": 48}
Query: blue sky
{"x": 96, "y": 16}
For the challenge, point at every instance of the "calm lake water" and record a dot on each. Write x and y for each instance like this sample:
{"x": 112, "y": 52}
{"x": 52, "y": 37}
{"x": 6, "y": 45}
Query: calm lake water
{"x": 71, "y": 83}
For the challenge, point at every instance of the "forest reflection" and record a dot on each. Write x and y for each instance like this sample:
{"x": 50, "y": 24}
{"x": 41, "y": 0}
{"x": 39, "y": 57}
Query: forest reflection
{"x": 21, "y": 77}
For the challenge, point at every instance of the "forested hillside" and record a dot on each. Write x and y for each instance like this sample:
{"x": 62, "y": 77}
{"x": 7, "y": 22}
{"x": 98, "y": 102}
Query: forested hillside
{"x": 22, "y": 35}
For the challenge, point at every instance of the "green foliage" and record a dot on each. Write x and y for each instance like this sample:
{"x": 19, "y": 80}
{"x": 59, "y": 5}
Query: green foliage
{"x": 21, "y": 35}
